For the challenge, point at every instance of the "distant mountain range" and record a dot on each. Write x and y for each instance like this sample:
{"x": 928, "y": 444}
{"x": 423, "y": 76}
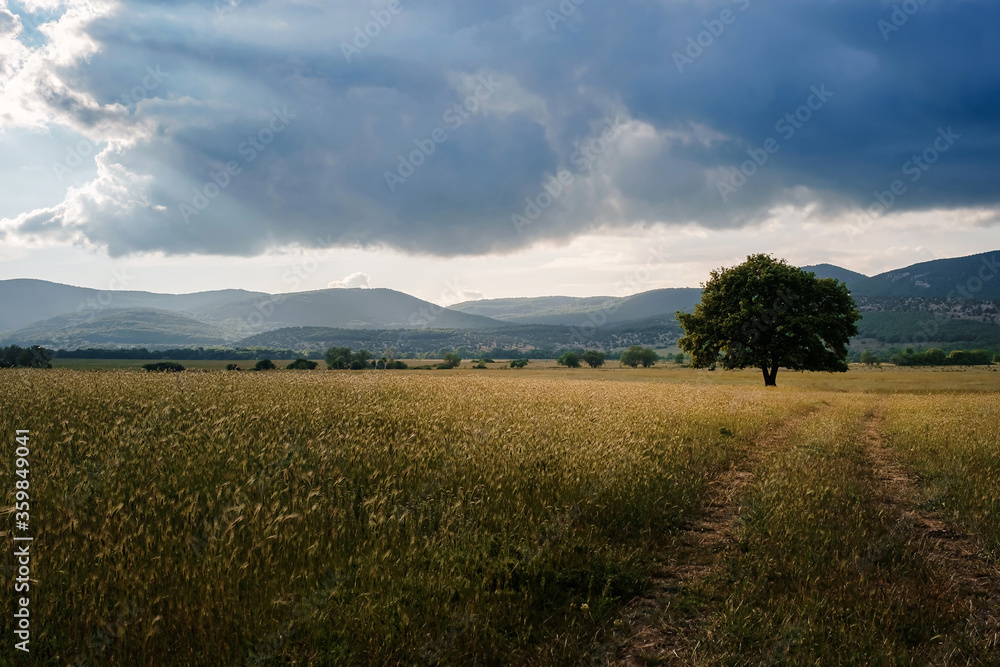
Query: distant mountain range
{"x": 950, "y": 298}
{"x": 595, "y": 310}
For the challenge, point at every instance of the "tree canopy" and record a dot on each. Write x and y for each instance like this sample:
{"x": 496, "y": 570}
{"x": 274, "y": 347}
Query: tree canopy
{"x": 593, "y": 358}
{"x": 639, "y": 356}
{"x": 25, "y": 357}
{"x": 767, "y": 314}
{"x": 569, "y": 359}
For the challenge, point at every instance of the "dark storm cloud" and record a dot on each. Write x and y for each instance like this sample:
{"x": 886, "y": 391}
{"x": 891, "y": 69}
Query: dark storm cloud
{"x": 700, "y": 88}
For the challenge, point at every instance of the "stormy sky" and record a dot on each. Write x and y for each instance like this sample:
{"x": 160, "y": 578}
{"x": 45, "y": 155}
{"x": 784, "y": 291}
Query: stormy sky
{"x": 517, "y": 147}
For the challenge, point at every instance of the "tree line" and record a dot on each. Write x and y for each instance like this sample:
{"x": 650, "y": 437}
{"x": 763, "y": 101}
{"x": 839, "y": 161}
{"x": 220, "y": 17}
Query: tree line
{"x": 25, "y": 357}
{"x": 933, "y": 357}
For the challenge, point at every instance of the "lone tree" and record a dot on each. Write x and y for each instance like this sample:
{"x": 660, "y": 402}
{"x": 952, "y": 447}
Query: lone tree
{"x": 768, "y": 314}
{"x": 593, "y": 358}
{"x": 869, "y": 359}
{"x": 265, "y": 365}
{"x": 569, "y": 359}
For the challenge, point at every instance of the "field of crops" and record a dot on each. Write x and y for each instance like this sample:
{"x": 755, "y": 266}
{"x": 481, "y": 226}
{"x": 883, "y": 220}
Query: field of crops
{"x": 489, "y": 517}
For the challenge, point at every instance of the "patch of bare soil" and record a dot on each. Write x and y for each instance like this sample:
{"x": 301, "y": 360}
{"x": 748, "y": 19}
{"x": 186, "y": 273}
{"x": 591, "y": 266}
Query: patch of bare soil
{"x": 658, "y": 636}
{"x": 954, "y": 552}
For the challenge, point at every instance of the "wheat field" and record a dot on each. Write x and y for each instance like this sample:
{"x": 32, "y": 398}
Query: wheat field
{"x": 385, "y": 518}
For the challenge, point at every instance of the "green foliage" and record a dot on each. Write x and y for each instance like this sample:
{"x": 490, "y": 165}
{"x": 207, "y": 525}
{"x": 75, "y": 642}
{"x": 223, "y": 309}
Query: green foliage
{"x": 181, "y": 353}
{"x": 901, "y": 327}
{"x": 969, "y": 358}
{"x": 338, "y": 358}
{"x": 360, "y": 360}
{"x": 936, "y": 357}
{"x": 25, "y": 357}
{"x": 451, "y": 360}
{"x": 637, "y": 356}
{"x": 679, "y": 358}
{"x": 302, "y": 365}
{"x": 768, "y": 314}
{"x": 265, "y": 365}
{"x": 518, "y": 363}
{"x": 593, "y": 358}
{"x": 233, "y": 367}
{"x": 570, "y": 360}
{"x": 869, "y": 359}
{"x": 341, "y": 358}
{"x": 164, "y": 367}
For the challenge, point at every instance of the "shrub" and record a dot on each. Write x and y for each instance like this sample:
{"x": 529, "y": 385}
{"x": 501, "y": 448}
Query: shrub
{"x": 969, "y": 358}
{"x": 338, "y": 358}
{"x": 164, "y": 367}
{"x": 360, "y": 360}
{"x": 518, "y": 363}
{"x": 570, "y": 360}
{"x": 25, "y": 357}
{"x": 265, "y": 365}
{"x": 233, "y": 367}
{"x": 637, "y": 355}
{"x": 869, "y": 359}
{"x": 302, "y": 365}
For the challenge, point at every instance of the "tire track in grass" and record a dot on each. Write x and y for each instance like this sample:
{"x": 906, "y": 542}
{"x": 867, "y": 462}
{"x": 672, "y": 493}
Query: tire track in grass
{"x": 694, "y": 556}
{"x": 954, "y": 552}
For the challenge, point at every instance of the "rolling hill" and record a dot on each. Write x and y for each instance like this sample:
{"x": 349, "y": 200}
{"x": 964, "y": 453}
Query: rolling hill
{"x": 975, "y": 277}
{"x": 965, "y": 289}
{"x": 28, "y": 301}
{"x": 584, "y": 311}
{"x": 846, "y": 276}
{"x": 133, "y": 326}
{"x": 347, "y": 309}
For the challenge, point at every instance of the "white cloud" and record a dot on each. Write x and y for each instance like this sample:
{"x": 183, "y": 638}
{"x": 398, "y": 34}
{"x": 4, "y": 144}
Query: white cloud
{"x": 355, "y": 280}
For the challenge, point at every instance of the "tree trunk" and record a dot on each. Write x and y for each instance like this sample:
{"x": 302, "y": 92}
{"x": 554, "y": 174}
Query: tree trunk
{"x": 770, "y": 376}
